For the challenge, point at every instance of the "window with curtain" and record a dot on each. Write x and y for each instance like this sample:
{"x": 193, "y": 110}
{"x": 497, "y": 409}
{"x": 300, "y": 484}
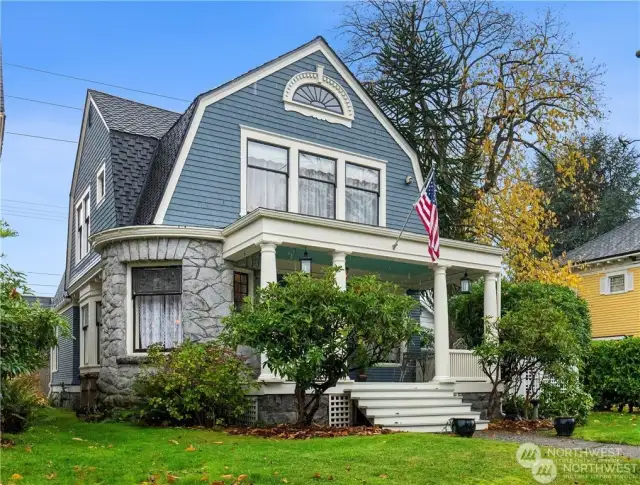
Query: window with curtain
{"x": 267, "y": 175}
{"x": 317, "y": 186}
{"x": 98, "y": 329}
{"x": 84, "y": 322}
{"x": 362, "y": 192}
{"x": 240, "y": 288}
{"x": 157, "y": 306}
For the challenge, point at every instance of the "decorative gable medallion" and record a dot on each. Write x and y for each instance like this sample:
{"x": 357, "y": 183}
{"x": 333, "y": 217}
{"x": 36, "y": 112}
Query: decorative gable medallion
{"x": 314, "y": 94}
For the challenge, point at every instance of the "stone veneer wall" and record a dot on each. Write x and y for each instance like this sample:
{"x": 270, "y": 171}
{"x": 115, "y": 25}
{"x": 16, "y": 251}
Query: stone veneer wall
{"x": 207, "y": 293}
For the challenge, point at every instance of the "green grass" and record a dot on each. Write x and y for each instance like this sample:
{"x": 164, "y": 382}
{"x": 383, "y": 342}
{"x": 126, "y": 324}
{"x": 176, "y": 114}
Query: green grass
{"x": 607, "y": 427}
{"x": 117, "y": 453}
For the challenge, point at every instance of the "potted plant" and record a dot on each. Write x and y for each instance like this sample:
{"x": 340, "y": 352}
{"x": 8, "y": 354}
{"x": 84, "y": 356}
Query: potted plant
{"x": 564, "y": 424}
{"x": 464, "y": 427}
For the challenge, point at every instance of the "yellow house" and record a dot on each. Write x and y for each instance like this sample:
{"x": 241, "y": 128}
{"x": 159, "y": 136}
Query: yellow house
{"x": 609, "y": 265}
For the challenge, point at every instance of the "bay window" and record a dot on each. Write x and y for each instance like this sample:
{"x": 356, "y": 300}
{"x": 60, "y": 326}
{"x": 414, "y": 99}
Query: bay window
{"x": 316, "y": 186}
{"x": 157, "y": 307}
{"x": 362, "y": 192}
{"x": 267, "y": 175}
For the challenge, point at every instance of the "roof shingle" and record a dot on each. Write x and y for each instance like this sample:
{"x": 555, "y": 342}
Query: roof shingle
{"x": 624, "y": 239}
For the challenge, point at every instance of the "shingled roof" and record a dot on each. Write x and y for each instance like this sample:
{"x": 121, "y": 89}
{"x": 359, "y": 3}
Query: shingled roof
{"x": 624, "y": 239}
{"x": 128, "y": 116}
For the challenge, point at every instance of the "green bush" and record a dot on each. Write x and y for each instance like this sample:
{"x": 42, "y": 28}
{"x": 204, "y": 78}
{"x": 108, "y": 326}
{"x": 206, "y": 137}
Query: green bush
{"x": 194, "y": 383}
{"x": 567, "y": 399}
{"x": 612, "y": 372}
{"x": 20, "y": 399}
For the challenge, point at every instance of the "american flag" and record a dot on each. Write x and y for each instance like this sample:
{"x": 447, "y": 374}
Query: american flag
{"x": 427, "y": 210}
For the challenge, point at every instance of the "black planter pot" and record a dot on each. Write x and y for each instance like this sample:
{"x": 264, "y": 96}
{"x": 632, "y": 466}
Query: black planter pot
{"x": 564, "y": 426}
{"x": 463, "y": 426}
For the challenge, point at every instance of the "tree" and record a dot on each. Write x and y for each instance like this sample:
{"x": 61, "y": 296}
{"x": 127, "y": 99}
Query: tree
{"x": 314, "y": 334}
{"x": 604, "y": 195}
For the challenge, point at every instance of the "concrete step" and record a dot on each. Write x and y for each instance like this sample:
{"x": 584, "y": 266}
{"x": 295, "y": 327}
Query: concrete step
{"x": 424, "y": 420}
{"x": 402, "y": 402}
{"x": 452, "y": 410}
{"x": 399, "y": 386}
{"x": 436, "y": 394}
{"x": 437, "y": 428}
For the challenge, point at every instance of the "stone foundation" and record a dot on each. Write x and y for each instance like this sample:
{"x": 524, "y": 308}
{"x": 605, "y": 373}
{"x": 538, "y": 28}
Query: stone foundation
{"x": 281, "y": 408}
{"x": 207, "y": 294}
{"x": 479, "y": 402}
{"x": 66, "y": 400}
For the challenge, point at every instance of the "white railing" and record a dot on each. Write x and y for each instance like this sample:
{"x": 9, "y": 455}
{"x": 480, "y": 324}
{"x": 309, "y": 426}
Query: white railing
{"x": 464, "y": 364}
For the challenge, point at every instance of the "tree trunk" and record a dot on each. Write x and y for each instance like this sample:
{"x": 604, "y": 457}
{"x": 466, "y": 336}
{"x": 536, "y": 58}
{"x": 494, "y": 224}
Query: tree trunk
{"x": 494, "y": 402}
{"x": 301, "y": 398}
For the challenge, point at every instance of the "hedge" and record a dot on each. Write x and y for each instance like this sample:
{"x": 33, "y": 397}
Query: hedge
{"x": 612, "y": 373}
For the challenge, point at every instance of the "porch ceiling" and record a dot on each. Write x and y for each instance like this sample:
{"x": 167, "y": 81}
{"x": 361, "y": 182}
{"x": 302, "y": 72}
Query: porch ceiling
{"x": 243, "y": 238}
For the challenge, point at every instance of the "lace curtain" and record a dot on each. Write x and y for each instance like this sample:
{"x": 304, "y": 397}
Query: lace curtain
{"x": 316, "y": 186}
{"x": 361, "y": 192}
{"x": 266, "y": 176}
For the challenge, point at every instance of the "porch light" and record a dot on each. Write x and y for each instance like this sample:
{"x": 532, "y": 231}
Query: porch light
{"x": 305, "y": 263}
{"x": 465, "y": 284}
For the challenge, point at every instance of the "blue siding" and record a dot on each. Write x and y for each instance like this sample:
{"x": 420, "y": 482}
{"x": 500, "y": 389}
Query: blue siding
{"x": 69, "y": 351}
{"x": 96, "y": 150}
{"x": 208, "y": 191}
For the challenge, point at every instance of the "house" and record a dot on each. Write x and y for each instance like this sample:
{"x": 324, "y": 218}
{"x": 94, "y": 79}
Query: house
{"x": 175, "y": 217}
{"x": 608, "y": 266}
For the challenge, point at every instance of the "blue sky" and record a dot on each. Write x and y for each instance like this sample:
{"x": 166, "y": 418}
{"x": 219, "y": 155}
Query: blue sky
{"x": 182, "y": 49}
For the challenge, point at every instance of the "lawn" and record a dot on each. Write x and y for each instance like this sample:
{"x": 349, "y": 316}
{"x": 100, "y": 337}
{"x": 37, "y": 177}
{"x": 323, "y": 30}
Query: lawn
{"x": 607, "y": 427}
{"x": 61, "y": 449}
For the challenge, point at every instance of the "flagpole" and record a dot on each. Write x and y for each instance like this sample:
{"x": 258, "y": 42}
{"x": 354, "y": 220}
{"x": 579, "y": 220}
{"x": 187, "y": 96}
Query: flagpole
{"x": 424, "y": 184}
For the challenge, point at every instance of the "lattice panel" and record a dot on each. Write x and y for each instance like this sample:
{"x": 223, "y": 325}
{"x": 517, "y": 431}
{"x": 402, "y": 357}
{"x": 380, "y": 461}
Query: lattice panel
{"x": 250, "y": 417}
{"x": 339, "y": 410}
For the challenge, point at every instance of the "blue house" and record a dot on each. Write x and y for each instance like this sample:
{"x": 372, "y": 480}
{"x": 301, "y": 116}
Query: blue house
{"x": 175, "y": 217}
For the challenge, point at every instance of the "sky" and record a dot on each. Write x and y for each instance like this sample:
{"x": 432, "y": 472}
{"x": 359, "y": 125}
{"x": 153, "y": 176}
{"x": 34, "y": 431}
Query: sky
{"x": 181, "y": 50}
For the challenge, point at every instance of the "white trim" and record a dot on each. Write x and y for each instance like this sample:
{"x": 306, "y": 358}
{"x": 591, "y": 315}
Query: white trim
{"x": 80, "y": 279}
{"x": 318, "y": 78}
{"x": 252, "y": 279}
{"x": 145, "y": 232}
{"x": 86, "y": 214}
{"x": 295, "y": 146}
{"x": 58, "y": 388}
{"x": 83, "y": 340}
{"x": 605, "y": 282}
{"x": 54, "y": 355}
{"x": 100, "y": 195}
{"x": 614, "y": 337}
{"x": 609, "y": 266}
{"x": 254, "y": 76}
{"x": 64, "y": 306}
{"x": 93, "y": 103}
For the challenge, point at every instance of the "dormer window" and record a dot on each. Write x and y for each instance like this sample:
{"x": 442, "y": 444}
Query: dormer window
{"x": 319, "y": 96}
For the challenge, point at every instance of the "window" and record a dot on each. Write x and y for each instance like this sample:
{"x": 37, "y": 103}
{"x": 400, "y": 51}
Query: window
{"x": 100, "y": 185}
{"x": 362, "y": 191}
{"x": 240, "y": 288}
{"x": 157, "y": 307}
{"x": 83, "y": 213}
{"x": 317, "y": 96}
{"x": 616, "y": 283}
{"x": 98, "y": 329}
{"x": 54, "y": 353}
{"x": 317, "y": 186}
{"x": 84, "y": 324}
{"x": 267, "y": 174}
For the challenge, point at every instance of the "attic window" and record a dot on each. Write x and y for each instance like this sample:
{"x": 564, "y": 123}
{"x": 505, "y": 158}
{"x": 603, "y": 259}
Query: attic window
{"x": 100, "y": 184}
{"x": 319, "y": 96}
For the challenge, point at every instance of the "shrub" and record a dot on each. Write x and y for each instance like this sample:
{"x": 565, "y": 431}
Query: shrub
{"x": 565, "y": 399}
{"x": 194, "y": 383}
{"x": 20, "y": 398}
{"x": 612, "y": 373}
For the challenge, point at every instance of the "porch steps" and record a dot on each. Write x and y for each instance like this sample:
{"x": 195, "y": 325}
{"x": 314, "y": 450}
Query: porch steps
{"x": 419, "y": 407}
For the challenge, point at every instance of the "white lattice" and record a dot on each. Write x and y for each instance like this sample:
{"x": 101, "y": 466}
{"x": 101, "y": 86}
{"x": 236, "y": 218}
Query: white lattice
{"x": 339, "y": 410}
{"x": 250, "y": 417}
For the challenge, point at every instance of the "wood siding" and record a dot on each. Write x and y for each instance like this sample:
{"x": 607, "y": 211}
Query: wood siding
{"x": 208, "y": 190}
{"x": 612, "y": 315}
{"x": 69, "y": 351}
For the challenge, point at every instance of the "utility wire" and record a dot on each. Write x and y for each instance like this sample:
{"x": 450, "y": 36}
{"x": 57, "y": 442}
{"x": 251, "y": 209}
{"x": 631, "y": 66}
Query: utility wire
{"x": 41, "y": 137}
{"x": 43, "y": 102}
{"x": 34, "y": 203}
{"x": 35, "y": 217}
{"x": 94, "y": 82}
{"x": 37, "y": 284}
{"x": 31, "y": 212}
{"x": 45, "y": 274}
{"x": 17, "y": 205}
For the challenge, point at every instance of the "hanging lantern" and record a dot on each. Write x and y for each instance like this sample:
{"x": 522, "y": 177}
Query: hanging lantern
{"x": 465, "y": 284}
{"x": 305, "y": 263}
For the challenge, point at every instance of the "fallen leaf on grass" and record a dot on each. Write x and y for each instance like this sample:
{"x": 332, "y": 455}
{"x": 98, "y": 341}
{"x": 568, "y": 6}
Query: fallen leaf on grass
{"x": 317, "y": 476}
{"x": 174, "y": 442}
{"x": 190, "y": 448}
{"x": 51, "y": 476}
{"x": 284, "y": 480}
{"x": 77, "y": 439}
{"x": 171, "y": 478}
{"x": 227, "y": 477}
{"x": 242, "y": 477}
{"x": 218, "y": 442}
{"x": 384, "y": 475}
{"x": 330, "y": 478}
{"x": 16, "y": 476}
{"x": 27, "y": 449}
{"x": 204, "y": 478}
{"x": 218, "y": 482}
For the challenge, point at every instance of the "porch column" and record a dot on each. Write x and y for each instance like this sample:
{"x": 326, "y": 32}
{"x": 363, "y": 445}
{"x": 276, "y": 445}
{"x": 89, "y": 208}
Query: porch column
{"x": 268, "y": 274}
{"x": 441, "y": 324}
{"x": 340, "y": 259}
{"x": 490, "y": 298}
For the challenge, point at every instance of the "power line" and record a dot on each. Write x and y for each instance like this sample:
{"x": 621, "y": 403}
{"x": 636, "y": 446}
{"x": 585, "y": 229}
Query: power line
{"x": 35, "y": 217}
{"x": 41, "y": 137}
{"x": 31, "y": 212}
{"x": 34, "y": 203}
{"x": 43, "y": 102}
{"x": 16, "y": 205}
{"x": 94, "y": 82}
{"x": 45, "y": 274}
{"x": 36, "y": 284}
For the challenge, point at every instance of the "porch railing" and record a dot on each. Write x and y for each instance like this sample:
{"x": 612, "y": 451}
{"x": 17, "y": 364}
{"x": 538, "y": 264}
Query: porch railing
{"x": 464, "y": 364}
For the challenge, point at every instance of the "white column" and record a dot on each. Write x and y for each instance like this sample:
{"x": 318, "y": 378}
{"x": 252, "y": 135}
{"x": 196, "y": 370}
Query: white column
{"x": 340, "y": 259}
{"x": 490, "y": 298}
{"x": 268, "y": 274}
{"x": 441, "y": 324}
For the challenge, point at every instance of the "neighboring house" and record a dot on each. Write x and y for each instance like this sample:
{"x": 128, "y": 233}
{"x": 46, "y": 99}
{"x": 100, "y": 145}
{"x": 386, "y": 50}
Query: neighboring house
{"x": 608, "y": 266}
{"x": 176, "y": 217}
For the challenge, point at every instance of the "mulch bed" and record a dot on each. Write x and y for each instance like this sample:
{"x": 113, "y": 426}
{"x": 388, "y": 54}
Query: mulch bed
{"x": 521, "y": 426}
{"x": 293, "y": 432}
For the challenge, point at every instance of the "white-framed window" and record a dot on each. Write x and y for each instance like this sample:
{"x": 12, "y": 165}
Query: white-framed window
{"x": 321, "y": 181}
{"x": 84, "y": 336}
{"x": 616, "y": 282}
{"x": 83, "y": 226}
{"x": 267, "y": 176}
{"x": 156, "y": 304}
{"x": 54, "y": 353}
{"x": 100, "y": 185}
